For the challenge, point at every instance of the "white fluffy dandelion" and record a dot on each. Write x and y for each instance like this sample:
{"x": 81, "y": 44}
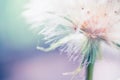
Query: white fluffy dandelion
{"x": 77, "y": 27}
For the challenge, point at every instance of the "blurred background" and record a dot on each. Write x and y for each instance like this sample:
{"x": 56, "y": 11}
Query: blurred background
{"x": 20, "y": 60}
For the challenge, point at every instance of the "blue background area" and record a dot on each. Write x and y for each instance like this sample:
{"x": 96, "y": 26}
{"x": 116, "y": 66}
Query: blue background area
{"x": 17, "y": 42}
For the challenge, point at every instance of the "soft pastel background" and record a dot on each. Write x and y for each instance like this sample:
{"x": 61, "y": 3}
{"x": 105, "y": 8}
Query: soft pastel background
{"x": 19, "y": 59}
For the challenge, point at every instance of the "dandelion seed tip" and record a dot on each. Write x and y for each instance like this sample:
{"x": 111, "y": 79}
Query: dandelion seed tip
{"x": 116, "y": 12}
{"x": 88, "y": 12}
{"x": 105, "y": 14}
{"x": 64, "y": 74}
{"x": 67, "y": 73}
{"x": 82, "y": 8}
{"x": 38, "y": 48}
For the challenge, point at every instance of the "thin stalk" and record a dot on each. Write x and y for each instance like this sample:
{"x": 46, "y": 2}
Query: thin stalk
{"x": 93, "y": 50}
{"x": 90, "y": 71}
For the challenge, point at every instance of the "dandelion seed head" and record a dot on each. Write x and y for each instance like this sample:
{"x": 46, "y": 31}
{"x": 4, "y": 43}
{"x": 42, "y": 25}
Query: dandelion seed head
{"x": 63, "y": 22}
{"x": 76, "y": 27}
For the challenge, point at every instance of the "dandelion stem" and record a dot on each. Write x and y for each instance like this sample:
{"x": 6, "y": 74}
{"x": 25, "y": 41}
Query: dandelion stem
{"x": 90, "y": 71}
